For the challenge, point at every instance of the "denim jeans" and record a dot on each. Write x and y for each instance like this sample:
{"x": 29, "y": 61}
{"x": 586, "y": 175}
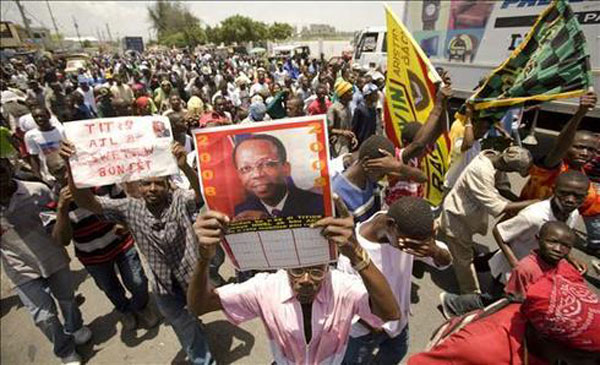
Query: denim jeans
{"x": 38, "y": 297}
{"x": 132, "y": 274}
{"x": 186, "y": 325}
{"x": 391, "y": 350}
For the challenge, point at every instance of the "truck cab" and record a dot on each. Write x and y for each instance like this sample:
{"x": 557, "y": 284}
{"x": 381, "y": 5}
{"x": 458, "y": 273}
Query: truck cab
{"x": 371, "y": 47}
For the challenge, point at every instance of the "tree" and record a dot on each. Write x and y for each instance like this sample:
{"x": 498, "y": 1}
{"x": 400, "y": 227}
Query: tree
{"x": 238, "y": 28}
{"x": 280, "y": 31}
{"x": 175, "y": 25}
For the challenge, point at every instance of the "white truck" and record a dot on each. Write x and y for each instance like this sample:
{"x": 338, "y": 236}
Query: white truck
{"x": 471, "y": 38}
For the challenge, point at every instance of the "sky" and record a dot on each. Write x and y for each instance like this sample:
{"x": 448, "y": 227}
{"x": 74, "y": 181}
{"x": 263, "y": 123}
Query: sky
{"x": 130, "y": 18}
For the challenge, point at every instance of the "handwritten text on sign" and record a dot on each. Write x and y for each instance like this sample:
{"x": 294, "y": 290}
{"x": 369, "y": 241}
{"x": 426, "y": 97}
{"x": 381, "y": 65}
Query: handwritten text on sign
{"x": 113, "y": 150}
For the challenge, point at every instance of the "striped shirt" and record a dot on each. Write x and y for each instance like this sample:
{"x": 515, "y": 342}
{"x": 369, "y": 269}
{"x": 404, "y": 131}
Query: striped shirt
{"x": 362, "y": 203}
{"x": 95, "y": 238}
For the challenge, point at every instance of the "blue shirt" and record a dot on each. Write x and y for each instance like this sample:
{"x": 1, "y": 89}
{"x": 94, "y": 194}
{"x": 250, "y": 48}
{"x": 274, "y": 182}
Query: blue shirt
{"x": 362, "y": 203}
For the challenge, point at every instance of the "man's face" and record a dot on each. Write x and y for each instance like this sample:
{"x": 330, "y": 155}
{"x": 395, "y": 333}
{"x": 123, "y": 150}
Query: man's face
{"x": 154, "y": 190}
{"x": 556, "y": 244}
{"x": 570, "y": 194}
{"x": 42, "y": 119}
{"x": 166, "y": 87}
{"x": 219, "y": 105}
{"x": 321, "y": 92}
{"x": 293, "y": 108}
{"x": 261, "y": 76}
{"x": 306, "y": 282}
{"x": 582, "y": 150}
{"x": 175, "y": 102}
{"x": 84, "y": 86}
{"x": 260, "y": 169}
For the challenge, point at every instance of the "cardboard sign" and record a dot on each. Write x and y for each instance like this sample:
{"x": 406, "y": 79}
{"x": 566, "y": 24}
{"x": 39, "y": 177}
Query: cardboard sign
{"x": 272, "y": 180}
{"x": 114, "y": 150}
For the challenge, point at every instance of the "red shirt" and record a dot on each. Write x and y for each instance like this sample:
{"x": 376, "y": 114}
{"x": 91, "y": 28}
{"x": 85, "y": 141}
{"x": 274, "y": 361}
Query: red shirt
{"x": 529, "y": 270}
{"x": 496, "y": 339}
{"x": 316, "y": 108}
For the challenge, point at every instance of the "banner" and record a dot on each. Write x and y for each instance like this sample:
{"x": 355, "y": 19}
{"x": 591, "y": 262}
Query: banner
{"x": 272, "y": 180}
{"x": 410, "y": 96}
{"x": 114, "y": 150}
{"x": 552, "y": 62}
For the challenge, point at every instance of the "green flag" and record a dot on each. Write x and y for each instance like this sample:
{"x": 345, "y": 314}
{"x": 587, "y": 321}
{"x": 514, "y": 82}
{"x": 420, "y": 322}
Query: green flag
{"x": 552, "y": 62}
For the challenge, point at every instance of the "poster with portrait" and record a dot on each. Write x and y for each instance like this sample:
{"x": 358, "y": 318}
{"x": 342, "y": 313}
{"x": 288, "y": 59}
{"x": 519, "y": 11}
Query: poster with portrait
{"x": 272, "y": 180}
{"x": 122, "y": 149}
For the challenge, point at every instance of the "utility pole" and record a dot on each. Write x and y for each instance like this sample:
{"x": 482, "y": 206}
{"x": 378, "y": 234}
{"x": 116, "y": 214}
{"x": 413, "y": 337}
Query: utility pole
{"x": 108, "y": 32}
{"x": 25, "y": 20}
{"x": 58, "y": 36}
{"x": 77, "y": 30}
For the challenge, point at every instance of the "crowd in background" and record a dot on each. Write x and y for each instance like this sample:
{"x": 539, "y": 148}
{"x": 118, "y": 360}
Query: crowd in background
{"x": 383, "y": 221}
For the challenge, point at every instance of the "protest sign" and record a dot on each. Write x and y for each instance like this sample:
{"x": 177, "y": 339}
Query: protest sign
{"x": 272, "y": 180}
{"x": 410, "y": 97}
{"x": 122, "y": 149}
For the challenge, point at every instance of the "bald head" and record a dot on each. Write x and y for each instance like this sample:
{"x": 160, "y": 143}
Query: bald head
{"x": 557, "y": 227}
{"x": 573, "y": 177}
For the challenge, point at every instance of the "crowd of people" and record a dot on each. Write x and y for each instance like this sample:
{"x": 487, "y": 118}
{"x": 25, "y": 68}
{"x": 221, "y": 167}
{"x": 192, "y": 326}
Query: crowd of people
{"x": 153, "y": 248}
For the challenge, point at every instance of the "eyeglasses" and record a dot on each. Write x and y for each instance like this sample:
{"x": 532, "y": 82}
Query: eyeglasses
{"x": 314, "y": 273}
{"x": 264, "y": 165}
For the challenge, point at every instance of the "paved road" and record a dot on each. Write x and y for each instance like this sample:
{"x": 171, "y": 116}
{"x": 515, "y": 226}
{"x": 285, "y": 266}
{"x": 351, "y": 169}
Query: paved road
{"x": 22, "y": 343}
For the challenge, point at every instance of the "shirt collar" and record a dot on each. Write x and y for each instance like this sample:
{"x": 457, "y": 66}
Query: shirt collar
{"x": 279, "y": 205}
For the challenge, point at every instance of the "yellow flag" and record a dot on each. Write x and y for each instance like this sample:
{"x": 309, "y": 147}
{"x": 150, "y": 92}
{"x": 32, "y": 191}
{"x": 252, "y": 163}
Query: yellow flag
{"x": 410, "y": 96}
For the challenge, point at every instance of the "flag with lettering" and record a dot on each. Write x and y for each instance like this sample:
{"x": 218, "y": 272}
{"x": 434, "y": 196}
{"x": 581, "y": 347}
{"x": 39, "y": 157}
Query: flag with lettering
{"x": 553, "y": 62}
{"x": 410, "y": 96}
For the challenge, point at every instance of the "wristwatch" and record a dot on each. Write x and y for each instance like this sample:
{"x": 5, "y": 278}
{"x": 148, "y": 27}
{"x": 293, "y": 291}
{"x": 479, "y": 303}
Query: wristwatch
{"x": 430, "y": 13}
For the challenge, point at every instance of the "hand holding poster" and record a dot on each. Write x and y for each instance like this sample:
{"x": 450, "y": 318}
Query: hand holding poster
{"x": 272, "y": 180}
{"x": 113, "y": 150}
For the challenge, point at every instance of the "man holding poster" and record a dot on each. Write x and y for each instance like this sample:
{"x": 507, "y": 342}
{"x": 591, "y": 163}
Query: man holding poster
{"x": 161, "y": 224}
{"x": 306, "y": 311}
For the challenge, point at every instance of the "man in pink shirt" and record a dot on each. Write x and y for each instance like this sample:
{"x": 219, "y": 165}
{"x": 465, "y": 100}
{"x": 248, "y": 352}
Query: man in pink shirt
{"x": 307, "y": 312}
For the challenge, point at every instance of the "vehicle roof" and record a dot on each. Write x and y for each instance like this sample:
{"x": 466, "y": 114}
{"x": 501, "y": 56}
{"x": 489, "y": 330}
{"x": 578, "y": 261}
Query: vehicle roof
{"x": 375, "y": 29}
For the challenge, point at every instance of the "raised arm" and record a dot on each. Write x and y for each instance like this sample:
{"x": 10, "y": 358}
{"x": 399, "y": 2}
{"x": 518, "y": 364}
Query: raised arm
{"x": 84, "y": 198}
{"x": 567, "y": 134}
{"x": 389, "y": 164}
{"x": 201, "y": 295}
{"x": 469, "y": 136}
{"x": 62, "y": 232}
{"x": 180, "y": 155}
{"x": 341, "y": 232}
{"x": 434, "y": 126}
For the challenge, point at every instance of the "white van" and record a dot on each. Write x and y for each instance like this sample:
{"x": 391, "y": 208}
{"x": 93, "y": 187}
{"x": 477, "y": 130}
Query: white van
{"x": 371, "y": 47}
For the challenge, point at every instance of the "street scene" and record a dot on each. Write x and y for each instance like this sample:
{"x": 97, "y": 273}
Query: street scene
{"x": 201, "y": 182}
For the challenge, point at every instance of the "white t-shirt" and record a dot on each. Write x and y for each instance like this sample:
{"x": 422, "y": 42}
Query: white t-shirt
{"x": 520, "y": 231}
{"x": 27, "y": 123}
{"x": 396, "y": 266}
{"x": 42, "y": 144}
{"x": 88, "y": 99}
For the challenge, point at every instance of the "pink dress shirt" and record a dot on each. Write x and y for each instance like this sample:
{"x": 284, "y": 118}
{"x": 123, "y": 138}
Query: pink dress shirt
{"x": 270, "y": 297}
